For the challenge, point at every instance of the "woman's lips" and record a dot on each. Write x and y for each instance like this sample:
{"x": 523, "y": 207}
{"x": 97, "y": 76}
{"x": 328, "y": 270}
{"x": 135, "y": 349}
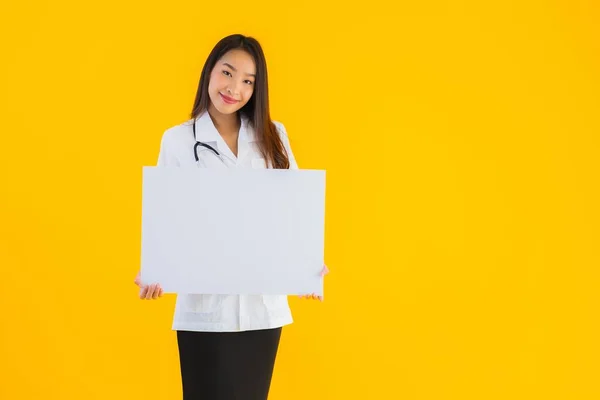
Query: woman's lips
{"x": 228, "y": 99}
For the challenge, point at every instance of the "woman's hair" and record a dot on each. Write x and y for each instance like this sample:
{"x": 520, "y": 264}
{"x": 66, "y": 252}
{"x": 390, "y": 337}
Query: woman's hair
{"x": 257, "y": 108}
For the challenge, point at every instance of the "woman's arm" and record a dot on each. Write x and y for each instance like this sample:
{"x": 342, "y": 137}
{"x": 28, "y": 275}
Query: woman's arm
{"x": 166, "y": 157}
{"x": 294, "y": 165}
{"x": 286, "y": 144}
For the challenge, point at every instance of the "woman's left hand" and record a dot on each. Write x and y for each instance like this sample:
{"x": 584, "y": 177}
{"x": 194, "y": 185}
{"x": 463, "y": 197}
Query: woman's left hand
{"x": 313, "y": 296}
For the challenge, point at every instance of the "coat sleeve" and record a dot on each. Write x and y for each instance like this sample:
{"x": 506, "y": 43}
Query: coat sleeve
{"x": 166, "y": 155}
{"x": 286, "y": 143}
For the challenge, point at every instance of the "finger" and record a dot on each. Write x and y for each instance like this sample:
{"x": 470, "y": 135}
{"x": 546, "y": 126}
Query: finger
{"x": 150, "y": 291}
{"x": 147, "y": 289}
{"x": 143, "y": 291}
{"x": 160, "y": 293}
{"x": 325, "y": 270}
{"x": 156, "y": 292}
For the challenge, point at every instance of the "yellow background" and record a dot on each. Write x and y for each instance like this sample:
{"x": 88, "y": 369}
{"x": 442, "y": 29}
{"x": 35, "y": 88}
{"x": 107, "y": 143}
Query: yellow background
{"x": 461, "y": 143}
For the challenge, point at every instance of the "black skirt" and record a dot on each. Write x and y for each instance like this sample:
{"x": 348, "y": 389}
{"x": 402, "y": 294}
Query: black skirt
{"x": 227, "y": 365}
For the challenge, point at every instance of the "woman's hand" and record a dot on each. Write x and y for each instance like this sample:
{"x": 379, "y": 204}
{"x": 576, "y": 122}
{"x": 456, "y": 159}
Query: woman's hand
{"x": 313, "y": 296}
{"x": 148, "y": 292}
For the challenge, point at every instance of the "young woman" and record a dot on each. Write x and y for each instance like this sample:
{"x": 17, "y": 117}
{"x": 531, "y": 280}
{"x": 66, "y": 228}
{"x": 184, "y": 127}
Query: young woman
{"x": 228, "y": 343}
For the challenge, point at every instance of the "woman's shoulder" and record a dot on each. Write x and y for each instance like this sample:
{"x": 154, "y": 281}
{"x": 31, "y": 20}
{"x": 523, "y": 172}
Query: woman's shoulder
{"x": 177, "y": 133}
{"x": 280, "y": 128}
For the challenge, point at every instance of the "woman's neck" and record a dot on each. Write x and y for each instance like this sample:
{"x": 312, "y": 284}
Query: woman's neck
{"x": 226, "y": 124}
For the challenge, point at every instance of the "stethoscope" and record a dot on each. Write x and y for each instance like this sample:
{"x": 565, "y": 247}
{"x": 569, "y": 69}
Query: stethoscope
{"x": 198, "y": 144}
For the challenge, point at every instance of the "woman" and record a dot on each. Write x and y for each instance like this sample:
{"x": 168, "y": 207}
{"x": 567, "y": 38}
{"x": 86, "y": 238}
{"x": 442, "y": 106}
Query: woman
{"x": 228, "y": 343}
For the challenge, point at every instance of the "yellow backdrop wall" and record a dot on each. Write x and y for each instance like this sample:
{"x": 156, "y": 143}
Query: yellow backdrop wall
{"x": 461, "y": 146}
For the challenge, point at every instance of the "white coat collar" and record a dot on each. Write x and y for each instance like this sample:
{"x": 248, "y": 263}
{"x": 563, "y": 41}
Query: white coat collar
{"x": 207, "y": 132}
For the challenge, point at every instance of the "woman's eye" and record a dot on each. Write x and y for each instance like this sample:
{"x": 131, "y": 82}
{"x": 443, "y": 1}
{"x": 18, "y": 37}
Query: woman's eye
{"x": 249, "y": 82}
{"x": 226, "y": 73}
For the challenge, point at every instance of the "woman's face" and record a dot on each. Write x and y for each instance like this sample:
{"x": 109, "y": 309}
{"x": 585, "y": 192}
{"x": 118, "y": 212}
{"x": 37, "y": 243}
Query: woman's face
{"x": 232, "y": 81}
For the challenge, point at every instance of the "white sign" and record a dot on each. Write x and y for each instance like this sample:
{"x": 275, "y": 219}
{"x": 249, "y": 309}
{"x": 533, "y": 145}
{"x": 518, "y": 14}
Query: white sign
{"x": 233, "y": 231}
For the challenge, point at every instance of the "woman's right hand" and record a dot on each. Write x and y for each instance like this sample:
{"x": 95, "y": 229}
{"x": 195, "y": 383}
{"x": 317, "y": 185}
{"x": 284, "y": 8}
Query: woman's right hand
{"x": 148, "y": 292}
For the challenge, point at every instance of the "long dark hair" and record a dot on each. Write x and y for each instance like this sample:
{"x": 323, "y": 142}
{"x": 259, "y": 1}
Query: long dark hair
{"x": 257, "y": 108}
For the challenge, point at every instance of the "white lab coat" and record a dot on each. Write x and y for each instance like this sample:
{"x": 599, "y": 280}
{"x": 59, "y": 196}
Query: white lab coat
{"x": 222, "y": 313}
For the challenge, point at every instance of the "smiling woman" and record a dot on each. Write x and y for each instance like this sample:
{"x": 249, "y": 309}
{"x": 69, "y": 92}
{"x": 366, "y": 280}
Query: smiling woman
{"x": 228, "y": 343}
{"x": 236, "y": 81}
